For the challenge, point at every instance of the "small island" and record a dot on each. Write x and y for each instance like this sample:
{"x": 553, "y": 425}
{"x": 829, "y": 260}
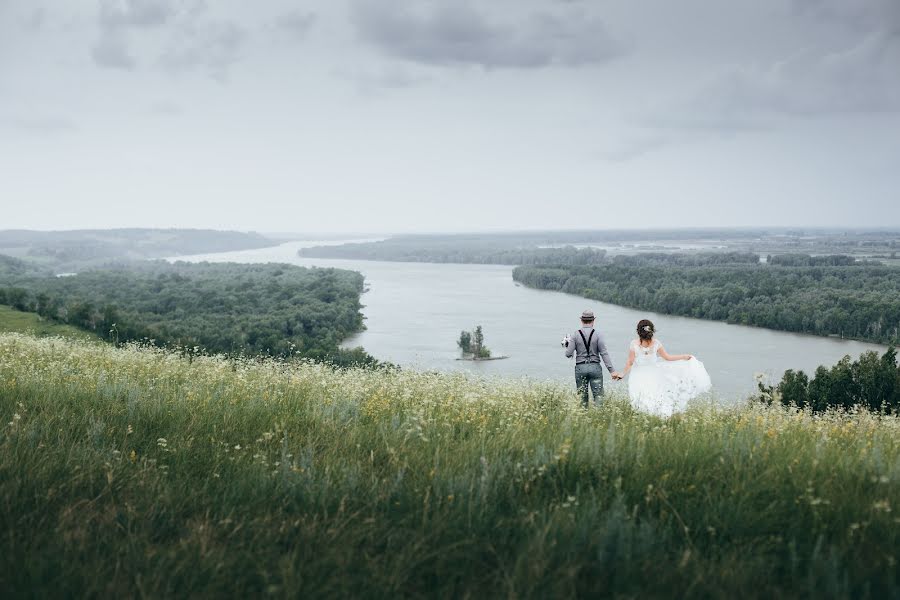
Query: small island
{"x": 471, "y": 343}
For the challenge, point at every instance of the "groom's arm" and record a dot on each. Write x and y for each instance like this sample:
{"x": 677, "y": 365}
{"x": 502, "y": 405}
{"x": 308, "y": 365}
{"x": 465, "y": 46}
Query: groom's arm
{"x": 604, "y": 354}
{"x": 570, "y": 349}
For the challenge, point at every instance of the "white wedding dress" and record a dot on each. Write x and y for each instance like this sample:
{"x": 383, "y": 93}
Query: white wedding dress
{"x": 661, "y": 387}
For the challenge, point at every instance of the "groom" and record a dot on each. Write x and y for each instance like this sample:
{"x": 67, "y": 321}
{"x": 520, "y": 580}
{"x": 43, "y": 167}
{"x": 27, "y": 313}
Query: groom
{"x": 588, "y": 348}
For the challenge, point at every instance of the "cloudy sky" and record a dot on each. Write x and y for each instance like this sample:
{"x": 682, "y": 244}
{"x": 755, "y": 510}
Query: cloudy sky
{"x": 448, "y": 115}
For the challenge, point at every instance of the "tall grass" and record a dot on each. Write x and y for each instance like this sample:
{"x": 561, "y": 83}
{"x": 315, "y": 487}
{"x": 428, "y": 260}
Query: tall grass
{"x": 136, "y": 472}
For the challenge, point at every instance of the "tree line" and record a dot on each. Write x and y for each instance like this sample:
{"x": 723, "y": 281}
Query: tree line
{"x": 270, "y": 309}
{"x": 871, "y": 382}
{"x": 439, "y": 250}
{"x": 860, "y": 301}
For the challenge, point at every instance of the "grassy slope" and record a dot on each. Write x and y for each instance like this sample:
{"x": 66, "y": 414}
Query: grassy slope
{"x": 136, "y": 472}
{"x": 12, "y": 320}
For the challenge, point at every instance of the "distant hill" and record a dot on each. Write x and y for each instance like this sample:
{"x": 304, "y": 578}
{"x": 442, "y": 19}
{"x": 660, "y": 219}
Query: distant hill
{"x": 81, "y": 248}
{"x": 15, "y": 268}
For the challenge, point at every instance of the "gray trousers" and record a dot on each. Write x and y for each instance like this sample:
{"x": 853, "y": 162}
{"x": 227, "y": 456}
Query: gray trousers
{"x": 589, "y": 374}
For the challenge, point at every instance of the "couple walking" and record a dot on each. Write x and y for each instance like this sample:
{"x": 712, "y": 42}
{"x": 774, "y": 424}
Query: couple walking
{"x": 660, "y": 383}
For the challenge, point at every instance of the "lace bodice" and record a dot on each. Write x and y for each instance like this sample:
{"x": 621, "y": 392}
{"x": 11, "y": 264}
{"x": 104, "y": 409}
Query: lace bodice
{"x": 644, "y": 356}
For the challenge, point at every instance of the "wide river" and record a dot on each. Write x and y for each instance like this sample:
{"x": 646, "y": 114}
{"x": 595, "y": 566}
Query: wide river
{"x": 415, "y": 311}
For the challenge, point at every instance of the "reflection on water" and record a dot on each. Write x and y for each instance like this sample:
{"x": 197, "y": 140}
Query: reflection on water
{"x": 415, "y": 311}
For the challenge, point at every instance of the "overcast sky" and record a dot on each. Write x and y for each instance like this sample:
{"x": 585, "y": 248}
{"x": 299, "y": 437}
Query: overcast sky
{"x": 448, "y": 115}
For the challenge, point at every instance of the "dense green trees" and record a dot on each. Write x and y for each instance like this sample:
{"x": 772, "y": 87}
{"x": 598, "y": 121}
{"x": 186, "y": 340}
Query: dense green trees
{"x": 259, "y": 309}
{"x": 687, "y": 260}
{"x": 859, "y": 301}
{"x": 15, "y": 267}
{"x": 871, "y": 382}
{"x": 805, "y": 260}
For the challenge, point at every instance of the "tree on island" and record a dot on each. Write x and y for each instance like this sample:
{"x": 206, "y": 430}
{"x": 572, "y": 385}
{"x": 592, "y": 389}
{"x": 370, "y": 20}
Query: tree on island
{"x": 465, "y": 342}
{"x": 472, "y": 344}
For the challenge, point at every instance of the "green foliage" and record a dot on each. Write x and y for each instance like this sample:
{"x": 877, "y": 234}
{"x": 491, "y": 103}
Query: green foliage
{"x": 870, "y": 382}
{"x": 472, "y": 343}
{"x": 860, "y": 301}
{"x": 138, "y": 472}
{"x": 805, "y": 260}
{"x": 12, "y": 268}
{"x": 232, "y": 308}
{"x": 687, "y": 260}
{"x": 465, "y": 342}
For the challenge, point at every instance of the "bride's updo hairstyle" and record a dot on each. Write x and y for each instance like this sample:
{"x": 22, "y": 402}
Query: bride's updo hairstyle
{"x": 646, "y": 329}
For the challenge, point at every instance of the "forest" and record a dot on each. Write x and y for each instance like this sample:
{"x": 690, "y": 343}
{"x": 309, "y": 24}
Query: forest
{"x": 871, "y": 382}
{"x": 269, "y": 309}
{"x": 858, "y": 300}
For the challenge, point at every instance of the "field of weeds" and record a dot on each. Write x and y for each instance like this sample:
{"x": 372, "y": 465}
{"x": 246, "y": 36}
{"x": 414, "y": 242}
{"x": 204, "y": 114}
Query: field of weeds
{"x": 138, "y": 472}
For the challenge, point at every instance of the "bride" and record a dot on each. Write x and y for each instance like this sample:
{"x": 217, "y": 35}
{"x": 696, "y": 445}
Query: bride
{"x": 662, "y": 387}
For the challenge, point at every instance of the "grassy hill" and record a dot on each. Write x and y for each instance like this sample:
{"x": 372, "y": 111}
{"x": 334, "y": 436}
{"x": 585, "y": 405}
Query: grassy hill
{"x": 12, "y": 320}
{"x": 133, "y": 471}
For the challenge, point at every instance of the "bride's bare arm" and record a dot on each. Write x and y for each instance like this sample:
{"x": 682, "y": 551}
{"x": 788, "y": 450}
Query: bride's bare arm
{"x": 629, "y": 363}
{"x": 665, "y": 355}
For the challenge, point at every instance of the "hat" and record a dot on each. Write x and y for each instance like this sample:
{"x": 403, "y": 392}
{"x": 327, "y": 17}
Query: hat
{"x": 587, "y": 315}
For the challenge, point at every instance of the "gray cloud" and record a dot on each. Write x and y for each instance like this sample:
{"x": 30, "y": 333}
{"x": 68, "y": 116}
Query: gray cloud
{"x": 43, "y": 125}
{"x": 861, "y": 78}
{"x": 191, "y": 42}
{"x": 636, "y": 145}
{"x": 135, "y": 13}
{"x": 37, "y": 19}
{"x": 116, "y": 18}
{"x": 212, "y": 47}
{"x": 111, "y": 51}
{"x": 859, "y": 14}
{"x": 372, "y": 81}
{"x": 297, "y": 23}
{"x": 458, "y": 34}
{"x": 165, "y": 109}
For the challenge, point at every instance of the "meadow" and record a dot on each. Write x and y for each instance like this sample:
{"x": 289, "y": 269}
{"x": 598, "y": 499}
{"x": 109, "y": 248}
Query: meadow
{"x": 142, "y": 472}
{"x": 12, "y": 320}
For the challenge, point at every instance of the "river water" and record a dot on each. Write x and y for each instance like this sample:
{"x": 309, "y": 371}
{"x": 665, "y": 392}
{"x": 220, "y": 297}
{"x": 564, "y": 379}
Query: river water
{"x": 415, "y": 311}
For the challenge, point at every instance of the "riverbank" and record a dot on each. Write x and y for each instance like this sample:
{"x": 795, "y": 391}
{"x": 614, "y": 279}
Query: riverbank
{"x": 134, "y": 469}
